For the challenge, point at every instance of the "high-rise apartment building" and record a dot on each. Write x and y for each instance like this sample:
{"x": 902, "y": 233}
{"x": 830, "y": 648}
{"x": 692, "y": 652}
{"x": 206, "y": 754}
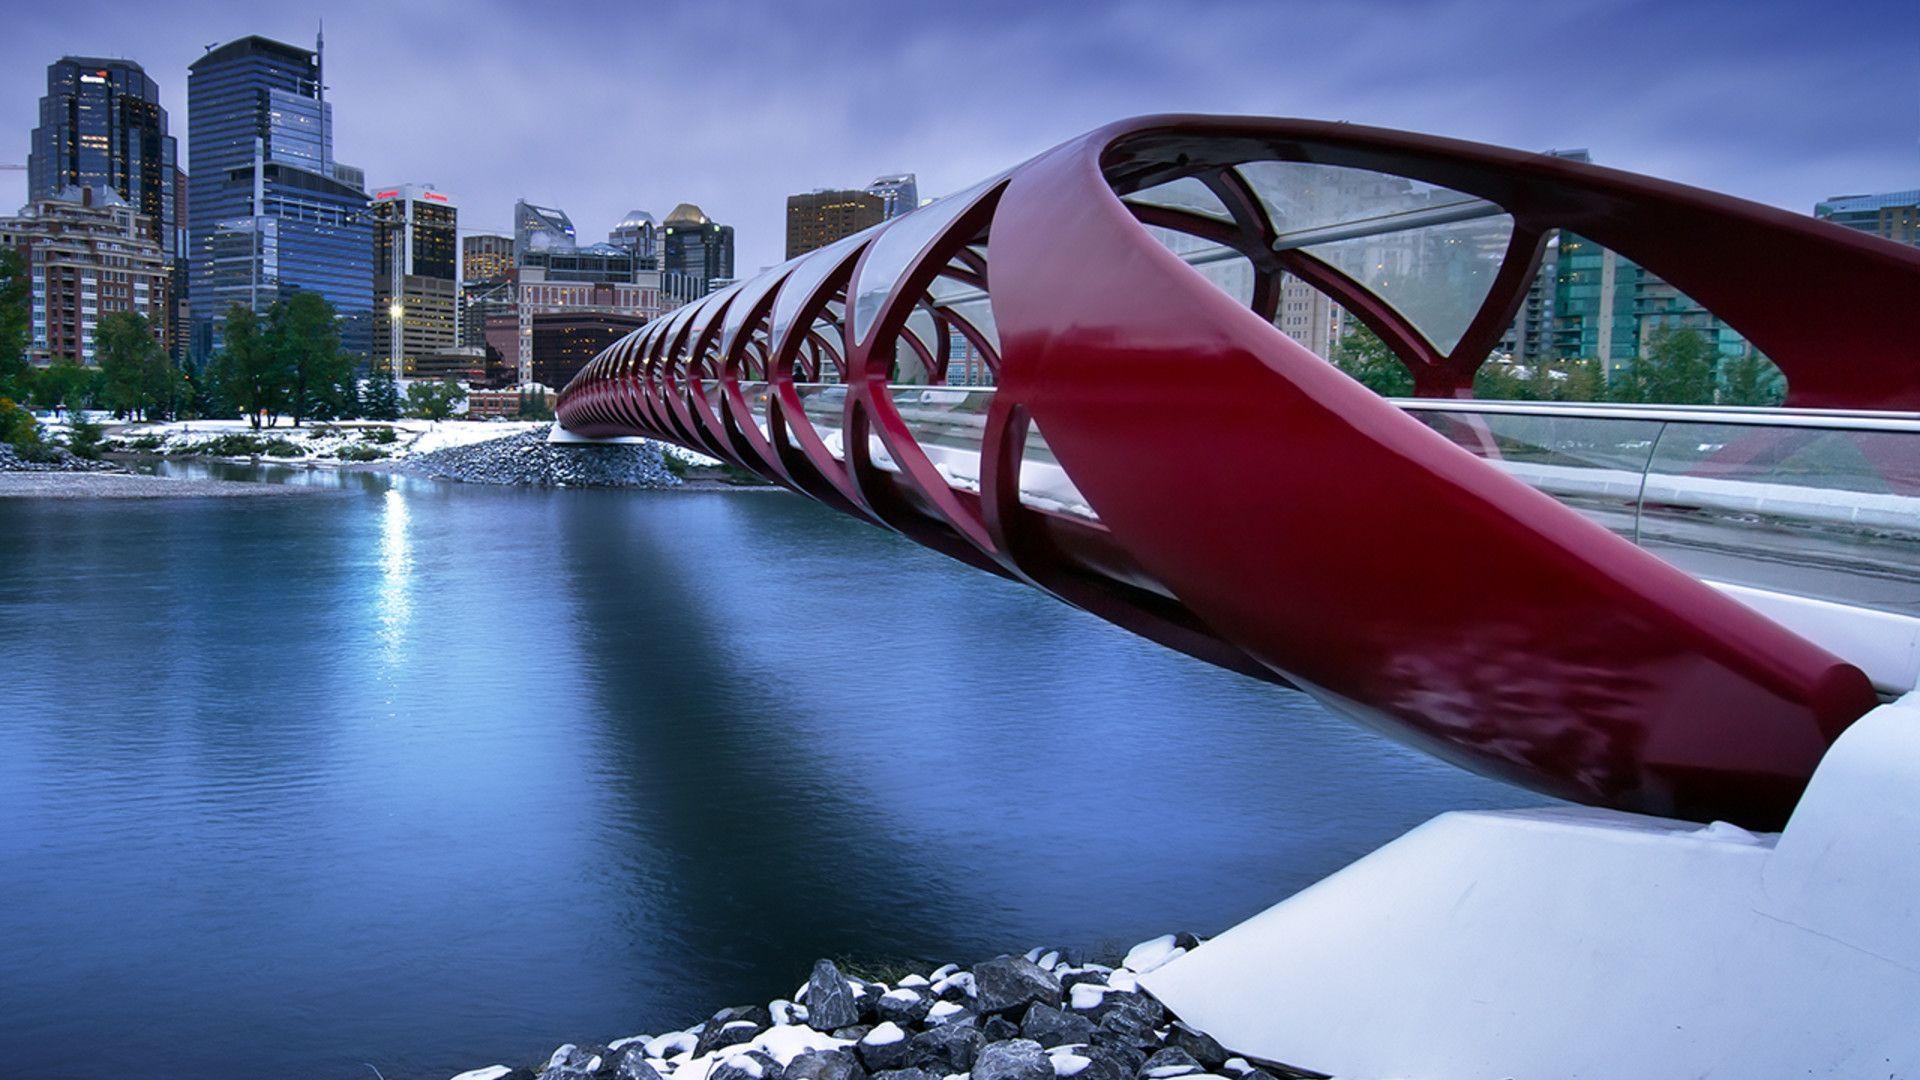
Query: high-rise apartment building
{"x": 540, "y": 228}
{"x": 270, "y": 210}
{"x": 696, "y": 249}
{"x": 416, "y": 275}
{"x": 1893, "y": 215}
{"x": 818, "y": 218}
{"x": 899, "y": 194}
{"x": 101, "y": 125}
{"x": 88, "y": 254}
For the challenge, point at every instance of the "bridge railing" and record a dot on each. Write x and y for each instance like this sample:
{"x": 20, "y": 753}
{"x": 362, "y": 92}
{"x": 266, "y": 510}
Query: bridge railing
{"x": 1817, "y": 504}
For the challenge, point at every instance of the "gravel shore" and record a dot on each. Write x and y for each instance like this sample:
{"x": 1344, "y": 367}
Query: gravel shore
{"x": 102, "y": 485}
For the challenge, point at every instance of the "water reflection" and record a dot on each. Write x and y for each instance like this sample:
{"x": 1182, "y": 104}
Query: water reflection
{"x": 429, "y": 775}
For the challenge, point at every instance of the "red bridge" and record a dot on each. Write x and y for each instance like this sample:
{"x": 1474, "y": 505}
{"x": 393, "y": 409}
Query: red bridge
{"x": 1667, "y": 610}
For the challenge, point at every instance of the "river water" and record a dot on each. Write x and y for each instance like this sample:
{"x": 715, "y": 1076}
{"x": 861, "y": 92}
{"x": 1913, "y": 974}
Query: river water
{"x": 427, "y": 776}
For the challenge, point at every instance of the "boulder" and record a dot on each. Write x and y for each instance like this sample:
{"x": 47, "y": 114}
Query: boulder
{"x": 883, "y": 1048}
{"x": 1011, "y": 983}
{"x": 630, "y": 1063}
{"x": 905, "y": 1006}
{"x": 1014, "y": 1059}
{"x": 825, "y": 1065}
{"x": 730, "y": 1027}
{"x": 830, "y": 999}
{"x": 998, "y": 1029}
{"x": 949, "y": 1048}
{"x": 1204, "y": 1048}
{"x": 1169, "y": 1063}
{"x": 747, "y": 1065}
{"x": 1049, "y": 1026}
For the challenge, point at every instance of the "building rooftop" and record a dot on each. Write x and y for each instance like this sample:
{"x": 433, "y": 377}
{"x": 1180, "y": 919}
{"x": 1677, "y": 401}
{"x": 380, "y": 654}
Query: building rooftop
{"x": 1853, "y": 204}
{"x": 254, "y": 45}
{"x": 687, "y": 214}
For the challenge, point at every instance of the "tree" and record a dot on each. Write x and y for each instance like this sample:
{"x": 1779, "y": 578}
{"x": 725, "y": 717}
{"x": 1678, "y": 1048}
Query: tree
{"x": 434, "y": 400}
{"x": 137, "y": 377}
{"x": 65, "y": 385}
{"x": 1364, "y": 356}
{"x": 252, "y": 373}
{"x": 381, "y": 398}
{"x": 305, "y": 333}
{"x": 1751, "y": 379}
{"x": 1538, "y": 379}
{"x": 15, "y": 325}
{"x": 534, "y": 404}
{"x": 1675, "y": 367}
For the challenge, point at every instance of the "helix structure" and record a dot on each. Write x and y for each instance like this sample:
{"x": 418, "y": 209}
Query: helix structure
{"x": 1070, "y": 375}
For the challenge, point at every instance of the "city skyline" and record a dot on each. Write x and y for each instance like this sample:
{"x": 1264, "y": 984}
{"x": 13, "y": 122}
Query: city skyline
{"x": 510, "y": 107}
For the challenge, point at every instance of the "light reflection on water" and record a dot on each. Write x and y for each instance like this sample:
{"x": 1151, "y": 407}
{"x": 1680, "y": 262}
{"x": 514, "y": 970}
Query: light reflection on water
{"x": 430, "y": 776}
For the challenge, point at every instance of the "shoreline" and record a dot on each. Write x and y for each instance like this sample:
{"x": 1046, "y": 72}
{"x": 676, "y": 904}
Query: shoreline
{"x": 1040, "y": 1016}
{"x": 513, "y": 458}
{"x": 65, "y": 486}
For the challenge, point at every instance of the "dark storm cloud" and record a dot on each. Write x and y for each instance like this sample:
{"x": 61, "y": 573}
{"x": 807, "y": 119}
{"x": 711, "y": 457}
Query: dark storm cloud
{"x": 600, "y": 108}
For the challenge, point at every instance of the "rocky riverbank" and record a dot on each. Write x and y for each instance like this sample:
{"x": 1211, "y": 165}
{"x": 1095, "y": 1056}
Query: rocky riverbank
{"x": 528, "y": 458}
{"x": 1035, "y": 1017}
{"x": 51, "y": 459}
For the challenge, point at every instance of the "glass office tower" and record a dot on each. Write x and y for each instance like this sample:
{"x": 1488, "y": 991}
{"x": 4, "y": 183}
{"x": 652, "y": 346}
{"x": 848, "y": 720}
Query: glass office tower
{"x": 270, "y": 211}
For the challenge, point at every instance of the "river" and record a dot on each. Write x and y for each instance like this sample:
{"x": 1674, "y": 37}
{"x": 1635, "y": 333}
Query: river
{"x": 429, "y": 776}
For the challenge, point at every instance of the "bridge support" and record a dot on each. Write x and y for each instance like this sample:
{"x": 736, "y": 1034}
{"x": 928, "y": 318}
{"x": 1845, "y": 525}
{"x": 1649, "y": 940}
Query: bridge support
{"x": 1590, "y": 943}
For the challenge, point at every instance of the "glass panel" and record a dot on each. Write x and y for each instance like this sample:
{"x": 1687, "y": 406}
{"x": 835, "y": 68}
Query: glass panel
{"x": 826, "y": 409}
{"x": 756, "y": 395}
{"x": 1591, "y": 464}
{"x": 1429, "y": 251}
{"x": 893, "y": 253}
{"x": 812, "y": 269}
{"x": 1808, "y": 511}
{"x": 751, "y": 293}
{"x": 1186, "y": 193}
{"x": 1230, "y": 271}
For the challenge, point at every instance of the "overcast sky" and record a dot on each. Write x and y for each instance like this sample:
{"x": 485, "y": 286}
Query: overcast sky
{"x": 604, "y": 107}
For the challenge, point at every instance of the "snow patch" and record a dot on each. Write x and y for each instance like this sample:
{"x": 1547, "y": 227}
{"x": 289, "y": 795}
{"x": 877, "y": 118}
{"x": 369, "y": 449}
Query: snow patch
{"x": 886, "y": 1034}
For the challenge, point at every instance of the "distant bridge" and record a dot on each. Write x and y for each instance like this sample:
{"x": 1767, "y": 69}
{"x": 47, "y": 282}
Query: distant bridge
{"x": 1668, "y": 610}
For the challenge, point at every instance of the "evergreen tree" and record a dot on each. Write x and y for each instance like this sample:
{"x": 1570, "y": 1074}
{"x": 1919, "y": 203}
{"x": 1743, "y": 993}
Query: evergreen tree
{"x": 15, "y": 326}
{"x": 380, "y": 400}
{"x": 534, "y": 406}
{"x": 1751, "y": 379}
{"x": 252, "y": 373}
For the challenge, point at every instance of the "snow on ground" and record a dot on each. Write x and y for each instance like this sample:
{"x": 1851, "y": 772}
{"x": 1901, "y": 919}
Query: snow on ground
{"x": 318, "y": 441}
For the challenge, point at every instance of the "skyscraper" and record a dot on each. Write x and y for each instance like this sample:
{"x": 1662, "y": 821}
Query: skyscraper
{"x": 270, "y": 211}
{"x": 540, "y": 228}
{"x": 416, "y": 275}
{"x": 485, "y": 256}
{"x": 639, "y": 234}
{"x": 696, "y": 249}
{"x": 486, "y": 286}
{"x": 101, "y": 126}
{"x": 818, "y": 218}
{"x": 1894, "y": 215}
{"x": 901, "y": 193}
